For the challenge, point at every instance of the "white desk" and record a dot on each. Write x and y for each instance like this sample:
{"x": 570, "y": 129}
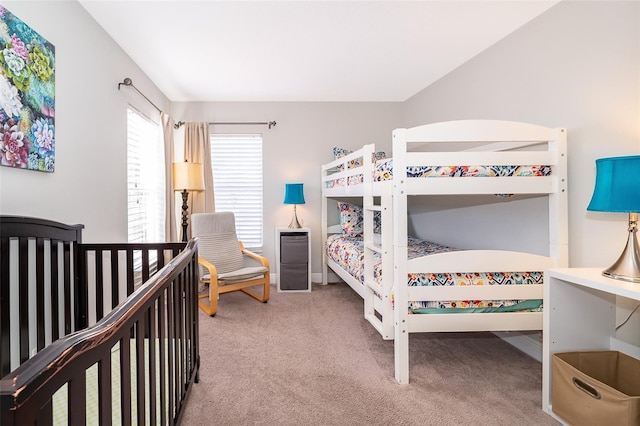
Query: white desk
{"x": 580, "y": 314}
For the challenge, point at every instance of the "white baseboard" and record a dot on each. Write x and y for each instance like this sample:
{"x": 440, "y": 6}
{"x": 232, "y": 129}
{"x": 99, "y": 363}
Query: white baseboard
{"x": 316, "y": 278}
{"x": 528, "y": 342}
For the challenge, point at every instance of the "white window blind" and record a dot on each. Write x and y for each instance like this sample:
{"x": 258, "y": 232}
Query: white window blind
{"x": 145, "y": 179}
{"x": 237, "y": 179}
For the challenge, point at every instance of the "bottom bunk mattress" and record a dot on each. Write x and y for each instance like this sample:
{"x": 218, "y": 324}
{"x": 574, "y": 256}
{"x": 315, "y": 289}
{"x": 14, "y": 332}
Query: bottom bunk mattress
{"x": 348, "y": 252}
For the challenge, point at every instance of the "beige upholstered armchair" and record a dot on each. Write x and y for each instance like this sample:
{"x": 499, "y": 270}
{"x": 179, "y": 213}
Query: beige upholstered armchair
{"x": 225, "y": 264}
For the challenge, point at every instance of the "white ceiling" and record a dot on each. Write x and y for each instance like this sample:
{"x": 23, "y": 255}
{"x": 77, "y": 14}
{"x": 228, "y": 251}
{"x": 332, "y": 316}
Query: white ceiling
{"x": 305, "y": 50}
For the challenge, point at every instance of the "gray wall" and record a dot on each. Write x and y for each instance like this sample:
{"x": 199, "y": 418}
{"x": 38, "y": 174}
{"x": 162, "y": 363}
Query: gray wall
{"x": 89, "y": 184}
{"x": 575, "y": 66}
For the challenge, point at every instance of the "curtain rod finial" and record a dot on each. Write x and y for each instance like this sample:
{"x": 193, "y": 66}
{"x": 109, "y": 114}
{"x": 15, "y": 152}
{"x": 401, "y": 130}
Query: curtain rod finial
{"x": 127, "y": 82}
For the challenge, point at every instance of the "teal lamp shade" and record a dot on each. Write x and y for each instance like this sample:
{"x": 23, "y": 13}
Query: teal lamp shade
{"x": 617, "y": 185}
{"x": 617, "y": 190}
{"x": 294, "y": 194}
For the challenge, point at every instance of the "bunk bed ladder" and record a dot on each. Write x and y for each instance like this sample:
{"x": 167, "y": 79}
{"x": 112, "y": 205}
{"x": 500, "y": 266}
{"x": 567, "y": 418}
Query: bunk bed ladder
{"x": 371, "y": 289}
{"x": 324, "y": 225}
{"x": 378, "y": 309}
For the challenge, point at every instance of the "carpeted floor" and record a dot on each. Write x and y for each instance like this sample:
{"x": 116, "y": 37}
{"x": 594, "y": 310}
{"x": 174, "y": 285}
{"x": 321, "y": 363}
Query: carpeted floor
{"x": 312, "y": 359}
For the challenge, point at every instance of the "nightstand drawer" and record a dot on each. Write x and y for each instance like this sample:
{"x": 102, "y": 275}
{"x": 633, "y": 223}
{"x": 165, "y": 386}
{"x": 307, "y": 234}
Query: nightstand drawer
{"x": 294, "y": 276}
{"x": 294, "y": 248}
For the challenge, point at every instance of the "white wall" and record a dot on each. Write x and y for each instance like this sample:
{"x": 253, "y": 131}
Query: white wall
{"x": 575, "y": 66}
{"x": 296, "y": 147}
{"x": 89, "y": 184}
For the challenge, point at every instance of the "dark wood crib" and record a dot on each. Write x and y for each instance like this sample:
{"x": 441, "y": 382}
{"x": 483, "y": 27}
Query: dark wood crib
{"x": 94, "y": 333}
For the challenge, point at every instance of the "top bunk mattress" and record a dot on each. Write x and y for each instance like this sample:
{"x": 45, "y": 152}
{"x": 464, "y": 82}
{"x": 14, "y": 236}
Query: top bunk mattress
{"x": 383, "y": 171}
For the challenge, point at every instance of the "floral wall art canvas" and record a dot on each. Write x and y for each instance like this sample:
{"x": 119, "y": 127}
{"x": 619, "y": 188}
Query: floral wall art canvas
{"x": 27, "y": 96}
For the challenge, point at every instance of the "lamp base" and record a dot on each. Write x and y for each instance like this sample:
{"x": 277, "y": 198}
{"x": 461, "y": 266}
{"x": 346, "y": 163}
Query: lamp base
{"x": 294, "y": 221}
{"x": 185, "y": 213}
{"x": 627, "y": 267}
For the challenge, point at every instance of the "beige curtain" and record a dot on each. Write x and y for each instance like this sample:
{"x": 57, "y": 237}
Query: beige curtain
{"x": 170, "y": 222}
{"x": 197, "y": 149}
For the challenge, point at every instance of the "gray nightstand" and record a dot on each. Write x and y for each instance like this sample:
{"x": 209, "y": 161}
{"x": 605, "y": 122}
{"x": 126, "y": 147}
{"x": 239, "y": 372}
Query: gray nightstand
{"x": 293, "y": 259}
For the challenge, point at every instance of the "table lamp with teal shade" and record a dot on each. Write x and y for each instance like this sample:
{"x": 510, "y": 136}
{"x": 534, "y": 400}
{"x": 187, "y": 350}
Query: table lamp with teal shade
{"x": 617, "y": 190}
{"x": 294, "y": 194}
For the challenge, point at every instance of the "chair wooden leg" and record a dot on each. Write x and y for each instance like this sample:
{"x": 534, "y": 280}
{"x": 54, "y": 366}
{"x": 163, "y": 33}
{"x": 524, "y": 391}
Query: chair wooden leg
{"x": 265, "y": 291}
{"x": 210, "y": 308}
{"x": 254, "y": 295}
{"x": 205, "y": 306}
{"x": 213, "y": 297}
{"x": 266, "y": 288}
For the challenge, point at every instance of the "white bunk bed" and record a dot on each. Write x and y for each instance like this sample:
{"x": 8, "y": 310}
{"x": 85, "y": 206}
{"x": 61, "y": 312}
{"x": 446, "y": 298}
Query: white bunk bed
{"x": 500, "y": 144}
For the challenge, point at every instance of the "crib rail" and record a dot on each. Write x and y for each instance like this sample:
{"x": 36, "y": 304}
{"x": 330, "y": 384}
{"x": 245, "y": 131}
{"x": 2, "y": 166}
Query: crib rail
{"x": 51, "y": 284}
{"x": 148, "y": 343}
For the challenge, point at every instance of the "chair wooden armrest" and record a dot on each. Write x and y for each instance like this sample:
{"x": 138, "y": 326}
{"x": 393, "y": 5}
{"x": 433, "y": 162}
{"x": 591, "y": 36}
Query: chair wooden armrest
{"x": 263, "y": 260}
{"x": 213, "y": 272}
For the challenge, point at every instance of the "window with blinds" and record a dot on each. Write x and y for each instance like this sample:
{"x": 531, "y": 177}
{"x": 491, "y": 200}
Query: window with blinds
{"x": 237, "y": 179}
{"x": 145, "y": 179}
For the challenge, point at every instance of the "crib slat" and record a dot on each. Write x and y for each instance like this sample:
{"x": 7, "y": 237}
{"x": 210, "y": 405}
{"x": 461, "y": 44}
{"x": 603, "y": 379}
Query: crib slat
{"x": 23, "y": 300}
{"x": 105, "y": 412}
{"x": 125, "y": 380}
{"x": 5, "y": 354}
{"x": 151, "y": 318}
{"x": 187, "y": 322}
{"x": 130, "y": 272}
{"x": 192, "y": 305}
{"x": 40, "y": 321}
{"x": 176, "y": 342}
{"x": 160, "y": 258}
{"x": 170, "y": 349}
{"x": 115, "y": 279}
{"x": 99, "y": 277}
{"x": 78, "y": 399}
{"x": 55, "y": 286}
{"x": 80, "y": 303}
{"x": 163, "y": 361}
{"x": 140, "y": 370}
{"x": 145, "y": 265}
{"x": 45, "y": 415}
{"x": 183, "y": 343}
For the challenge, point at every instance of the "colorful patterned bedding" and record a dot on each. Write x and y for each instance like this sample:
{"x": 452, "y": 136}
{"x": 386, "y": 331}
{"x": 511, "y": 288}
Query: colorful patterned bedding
{"x": 384, "y": 171}
{"x": 348, "y": 251}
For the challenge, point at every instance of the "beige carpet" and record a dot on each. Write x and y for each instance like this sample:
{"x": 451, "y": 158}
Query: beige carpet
{"x": 312, "y": 359}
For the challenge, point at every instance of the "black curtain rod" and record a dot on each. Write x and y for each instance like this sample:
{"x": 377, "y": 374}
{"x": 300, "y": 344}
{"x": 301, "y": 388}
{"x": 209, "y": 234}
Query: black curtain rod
{"x": 261, "y": 123}
{"x": 127, "y": 82}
